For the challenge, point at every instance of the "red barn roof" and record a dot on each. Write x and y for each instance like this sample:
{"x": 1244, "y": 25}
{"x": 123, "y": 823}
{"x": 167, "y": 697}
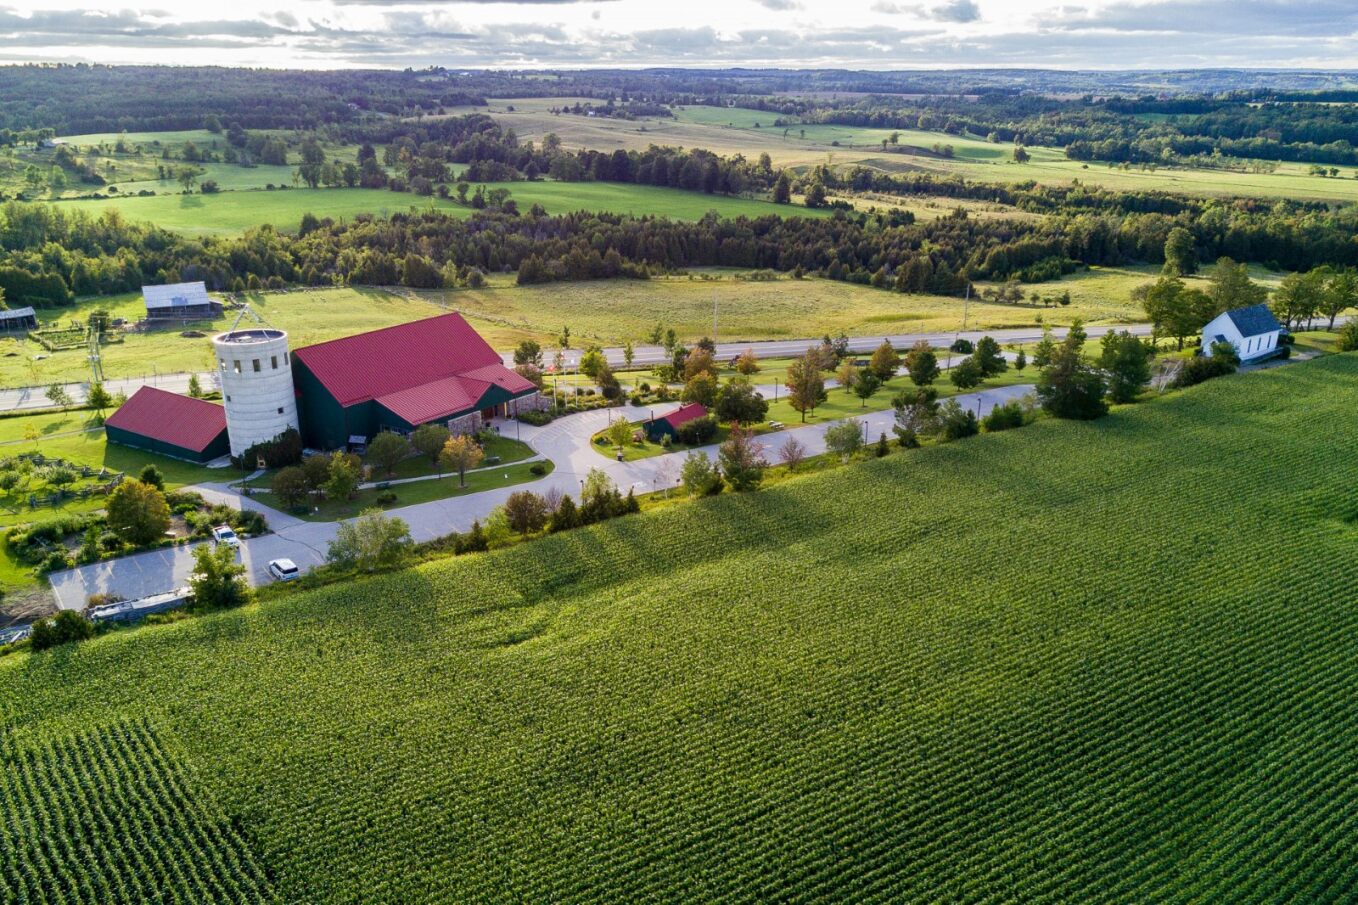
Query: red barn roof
{"x": 685, "y": 414}
{"x": 359, "y": 368}
{"x": 171, "y": 418}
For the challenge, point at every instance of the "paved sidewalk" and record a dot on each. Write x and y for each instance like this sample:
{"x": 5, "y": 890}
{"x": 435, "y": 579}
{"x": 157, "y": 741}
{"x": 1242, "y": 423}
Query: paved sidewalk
{"x": 565, "y": 441}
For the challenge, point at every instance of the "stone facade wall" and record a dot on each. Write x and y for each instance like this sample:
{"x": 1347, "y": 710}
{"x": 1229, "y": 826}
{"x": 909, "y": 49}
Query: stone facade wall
{"x": 467, "y": 424}
{"x": 535, "y": 402}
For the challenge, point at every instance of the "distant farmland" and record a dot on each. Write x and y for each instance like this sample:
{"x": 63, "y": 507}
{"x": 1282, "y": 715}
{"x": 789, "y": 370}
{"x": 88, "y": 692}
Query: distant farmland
{"x": 1101, "y": 662}
{"x": 234, "y": 212}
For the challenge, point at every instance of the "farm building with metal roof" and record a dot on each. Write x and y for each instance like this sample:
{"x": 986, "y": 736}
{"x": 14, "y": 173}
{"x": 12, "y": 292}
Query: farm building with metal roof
{"x": 171, "y": 425}
{"x": 12, "y": 319}
{"x": 437, "y": 370}
{"x": 670, "y": 424}
{"x": 180, "y": 301}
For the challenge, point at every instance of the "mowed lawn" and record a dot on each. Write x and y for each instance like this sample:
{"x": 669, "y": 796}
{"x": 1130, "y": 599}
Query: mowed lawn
{"x": 234, "y": 212}
{"x": 1102, "y": 661}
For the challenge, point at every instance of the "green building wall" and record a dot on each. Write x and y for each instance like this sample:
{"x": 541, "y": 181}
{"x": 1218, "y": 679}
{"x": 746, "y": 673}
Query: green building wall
{"x": 219, "y": 447}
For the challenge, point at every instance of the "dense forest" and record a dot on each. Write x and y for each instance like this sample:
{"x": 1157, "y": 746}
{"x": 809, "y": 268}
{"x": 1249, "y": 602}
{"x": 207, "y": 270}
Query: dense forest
{"x": 1283, "y": 127}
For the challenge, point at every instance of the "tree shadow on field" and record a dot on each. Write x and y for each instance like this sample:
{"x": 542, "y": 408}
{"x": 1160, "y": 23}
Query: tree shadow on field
{"x": 191, "y": 201}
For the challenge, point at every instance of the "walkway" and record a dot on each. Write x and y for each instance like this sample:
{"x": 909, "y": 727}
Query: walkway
{"x": 566, "y": 441}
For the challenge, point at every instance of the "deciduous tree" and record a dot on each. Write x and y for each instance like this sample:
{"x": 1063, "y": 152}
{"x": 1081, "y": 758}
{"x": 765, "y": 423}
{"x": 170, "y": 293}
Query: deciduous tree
{"x": 138, "y": 513}
{"x": 459, "y": 454}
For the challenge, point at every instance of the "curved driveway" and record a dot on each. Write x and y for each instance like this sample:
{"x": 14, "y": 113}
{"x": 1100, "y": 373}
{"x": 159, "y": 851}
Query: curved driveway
{"x": 565, "y": 441}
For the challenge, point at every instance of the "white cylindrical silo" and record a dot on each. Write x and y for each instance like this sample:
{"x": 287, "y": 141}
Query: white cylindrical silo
{"x": 256, "y": 377}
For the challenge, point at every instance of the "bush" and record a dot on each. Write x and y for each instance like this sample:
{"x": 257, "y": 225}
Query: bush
{"x": 956, "y": 421}
{"x": 63, "y": 628}
{"x": 285, "y": 449}
{"x": 55, "y": 562}
{"x": 1005, "y": 417}
{"x": 698, "y": 431}
{"x": 537, "y": 469}
{"x": 1348, "y": 337}
{"x": 1201, "y": 368}
{"x": 386, "y": 499}
{"x": 537, "y": 419}
{"x": 962, "y": 347}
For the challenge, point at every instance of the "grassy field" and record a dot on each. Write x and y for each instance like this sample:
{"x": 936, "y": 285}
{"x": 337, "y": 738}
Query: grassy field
{"x": 1094, "y": 662}
{"x": 233, "y": 212}
{"x": 732, "y": 131}
{"x": 606, "y": 312}
{"x": 139, "y": 169}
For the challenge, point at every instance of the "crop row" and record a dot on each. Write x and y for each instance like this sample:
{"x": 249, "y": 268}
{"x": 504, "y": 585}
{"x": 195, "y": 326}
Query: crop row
{"x": 108, "y": 816}
{"x": 1096, "y": 663}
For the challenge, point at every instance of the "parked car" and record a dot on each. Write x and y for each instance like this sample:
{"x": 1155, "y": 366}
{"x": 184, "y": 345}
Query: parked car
{"x": 223, "y": 534}
{"x": 283, "y": 569}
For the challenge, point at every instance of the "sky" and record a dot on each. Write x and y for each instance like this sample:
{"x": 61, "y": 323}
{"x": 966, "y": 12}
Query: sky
{"x": 522, "y": 34}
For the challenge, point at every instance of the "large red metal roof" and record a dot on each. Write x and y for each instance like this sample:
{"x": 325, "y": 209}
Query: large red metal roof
{"x": 171, "y": 418}
{"x": 359, "y": 368}
{"x": 452, "y": 395}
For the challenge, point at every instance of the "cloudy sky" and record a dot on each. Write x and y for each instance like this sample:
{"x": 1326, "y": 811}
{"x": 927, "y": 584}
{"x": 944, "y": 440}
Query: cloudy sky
{"x": 876, "y": 34}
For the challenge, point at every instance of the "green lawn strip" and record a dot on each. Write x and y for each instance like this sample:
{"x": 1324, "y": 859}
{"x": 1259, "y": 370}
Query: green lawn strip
{"x": 507, "y": 449}
{"x": 413, "y": 493}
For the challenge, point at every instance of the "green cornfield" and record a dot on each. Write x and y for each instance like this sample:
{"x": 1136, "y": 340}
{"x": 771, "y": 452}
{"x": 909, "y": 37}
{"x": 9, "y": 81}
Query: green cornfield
{"x": 1104, "y": 662}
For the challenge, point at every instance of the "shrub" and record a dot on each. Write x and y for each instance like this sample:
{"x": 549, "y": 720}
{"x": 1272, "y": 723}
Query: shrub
{"x": 55, "y": 562}
{"x": 1201, "y": 368}
{"x": 1348, "y": 337}
{"x": 1005, "y": 417}
{"x": 386, "y": 499}
{"x": 698, "y": 431}
{"x": 537, "y": 469}
{"x": 956, "y": 421}
{"x": 63, "y": 628}
{"x": 962, "y": 347}
{"x": 151, "y": 476}
{"x": 285, "y": 449}
{"x": 535, "y": 418}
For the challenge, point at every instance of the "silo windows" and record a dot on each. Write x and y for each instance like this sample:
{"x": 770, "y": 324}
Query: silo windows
{"x": 280, "y": 410}
{"x": 255, "y": 363}
{"x": 274, "y": 359}
{"x": 285, "y": 356}
{"x": 223, "y": 361}
{"x": 236, "y": 362}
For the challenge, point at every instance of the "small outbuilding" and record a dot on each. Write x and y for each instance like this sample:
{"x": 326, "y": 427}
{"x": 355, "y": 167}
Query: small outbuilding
{"x": 169, "y": 424}
{"x": 15, "y": 320}
{"x": 180, "y": 301}
{"x": 1253, "y": 331}
{"x": 669, "y": 425}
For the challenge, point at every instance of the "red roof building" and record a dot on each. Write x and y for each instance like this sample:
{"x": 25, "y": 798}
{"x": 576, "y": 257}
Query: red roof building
{"x": 433, "y": 370}
{"x": 171, "y": 425}
{"x": 676, "y": 419}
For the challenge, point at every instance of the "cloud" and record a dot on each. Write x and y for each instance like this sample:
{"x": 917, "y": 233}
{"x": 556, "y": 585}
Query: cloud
{"x": 956, "y": 11}
{"x": 961, "y": 11}
{"x": 564, "y": 34}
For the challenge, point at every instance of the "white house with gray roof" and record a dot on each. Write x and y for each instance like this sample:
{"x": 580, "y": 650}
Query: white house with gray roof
{"x": 1253, "y": 331}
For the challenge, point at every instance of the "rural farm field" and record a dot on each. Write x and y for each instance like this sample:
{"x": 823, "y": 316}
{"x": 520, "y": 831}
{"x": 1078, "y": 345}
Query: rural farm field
{"x": 733, "y": 131}
{"x": 235, "y": 212}
{"x": 1071, "y": 662}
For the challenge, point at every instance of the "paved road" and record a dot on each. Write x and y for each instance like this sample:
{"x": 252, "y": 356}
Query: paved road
{"x": 34, "y": 397}
{"x": 565, "y": 441}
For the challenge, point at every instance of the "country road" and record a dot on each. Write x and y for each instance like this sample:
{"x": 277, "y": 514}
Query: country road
{"x": 20, "y": 398}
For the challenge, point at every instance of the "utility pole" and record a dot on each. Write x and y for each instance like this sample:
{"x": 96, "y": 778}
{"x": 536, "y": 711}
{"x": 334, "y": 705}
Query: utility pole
{"x": 96, "y": 359}
{"x": 714, "y": 318}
